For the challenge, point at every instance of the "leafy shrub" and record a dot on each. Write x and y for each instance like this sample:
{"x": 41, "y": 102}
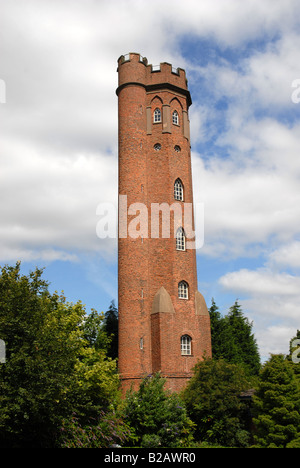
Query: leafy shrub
{"x": 213, "y": 402}
{"x": 159, "y": 417}
{"x": 106, "y": 430}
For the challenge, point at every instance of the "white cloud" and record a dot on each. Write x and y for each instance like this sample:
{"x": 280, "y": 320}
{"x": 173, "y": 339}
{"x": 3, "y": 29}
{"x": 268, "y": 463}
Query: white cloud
{"x": 233, "y": 21}
{"x": 61, "y": 109}
{"x": 272, "y": 301}
{"x": 263, "y": 79}
{"x": 58, "y": 142}
{"x": 274, "y": 340}
{"x": 245, "y": 206}
{"x": 48, "y": 201}
{"x": 287, "y": 255}
{"x": 262, "y": 282}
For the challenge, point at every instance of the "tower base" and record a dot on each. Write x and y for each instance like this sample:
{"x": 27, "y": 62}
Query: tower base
{"x": 174, "y": 383}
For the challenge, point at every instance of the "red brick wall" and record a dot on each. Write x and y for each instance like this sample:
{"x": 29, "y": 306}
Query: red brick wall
{"x": 147, "y": 176}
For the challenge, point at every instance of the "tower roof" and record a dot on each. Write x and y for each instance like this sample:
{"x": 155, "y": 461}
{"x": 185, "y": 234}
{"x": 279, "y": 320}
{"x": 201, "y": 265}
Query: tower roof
{"x": 133, "y": 69}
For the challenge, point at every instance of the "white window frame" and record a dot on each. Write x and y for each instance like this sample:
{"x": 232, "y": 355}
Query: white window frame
{"x": 183, "y": 290}
{"x": 186, "y": 345}
{"x": 157, "y": 116}
{"x": 175, "y": 118}
{"x": 180, "y": 239}
{"x": 178, "y": 190}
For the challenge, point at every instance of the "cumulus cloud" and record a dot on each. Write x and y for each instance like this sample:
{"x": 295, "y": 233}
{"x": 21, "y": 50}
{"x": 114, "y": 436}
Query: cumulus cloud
{"x": 60, "y": 120}
{"x": 48, "y": 204}
{"x": 287, "y": 255}
{"x": 58, "y": 140}
{"x": 245, "y": 206}
{"x": 262, "y": 282}
{"x": 272, "y": 301}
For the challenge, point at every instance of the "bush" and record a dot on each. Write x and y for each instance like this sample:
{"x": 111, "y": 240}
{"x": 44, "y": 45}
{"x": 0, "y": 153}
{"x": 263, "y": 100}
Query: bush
{"x": 276, "y": 405}
{"x": 101, "y": 432}
{"x": 212, "y": 399}
{"x": 158, "y": 417}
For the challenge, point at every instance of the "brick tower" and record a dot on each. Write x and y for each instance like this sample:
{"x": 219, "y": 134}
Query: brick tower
{"x": 164, "y": 323}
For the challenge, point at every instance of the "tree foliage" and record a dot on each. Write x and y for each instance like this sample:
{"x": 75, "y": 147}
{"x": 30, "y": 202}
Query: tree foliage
{"x": 59, "y": 385}
{"x": 213, "y": 402}
{"x": 51, "y": 369}
{"x": 110, "y": 327}
{"x": 233, "y": 339}
{"x": 158, "y": 417}
{"x": 277, "y": 405}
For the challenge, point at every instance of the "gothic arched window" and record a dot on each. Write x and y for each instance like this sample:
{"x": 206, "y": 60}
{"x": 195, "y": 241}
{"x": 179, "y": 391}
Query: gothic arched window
{"x": 175, "y": 118}
{"x": 186, "y": 345}
{"x": 180, "y": 239}
{"x": 157, "y": 115}
{"x": 183, "y": 290}
{"x": 178, "y": 190}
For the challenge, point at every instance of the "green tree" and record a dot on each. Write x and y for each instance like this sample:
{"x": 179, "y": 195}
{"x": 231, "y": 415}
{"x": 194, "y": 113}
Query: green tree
{"x": 216, "y": 324}
{"x": 212, "y": 399}
{"x": 245, "y": 342}
{"x": 51, "y": 370}
{"x": 158, "y": 417}
{"x": 277, "y": 405}
{"x": 111, "y": 329}
{"x": 94, "y": 331}
{"x": 233, "y": 339}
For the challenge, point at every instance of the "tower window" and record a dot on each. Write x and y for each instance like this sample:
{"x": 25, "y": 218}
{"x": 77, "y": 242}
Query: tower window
{"x": 183, "y": 290}
{"x": 175, "y": 118}
{"x": 180, "y": 239}
{"x": 178, "y": 190}
{"x": 177, "y": 148}
{"x": 157, "y": 115}
{"x": 157, "y": 146}
{"x": 186, "y": 345}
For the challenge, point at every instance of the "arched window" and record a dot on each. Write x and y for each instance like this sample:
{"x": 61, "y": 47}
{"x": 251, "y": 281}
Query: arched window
{"x": 157, "y": 115}
{"x": 186, "y": 345}
{"x": 183, "y": 290}
{"x": 180, "y": 239}
{"x": 178, "y": 190}
{"x": 175, "y": 118}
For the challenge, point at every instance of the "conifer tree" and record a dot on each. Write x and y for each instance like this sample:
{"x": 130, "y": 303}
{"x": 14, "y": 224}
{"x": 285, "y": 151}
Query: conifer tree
{"x": 277, "y": 405}
{"x": 240, "y": 342}
{"x": 232, "y": 338}
{"x": 111, "y": 329}
{"x": 216, "y": 323}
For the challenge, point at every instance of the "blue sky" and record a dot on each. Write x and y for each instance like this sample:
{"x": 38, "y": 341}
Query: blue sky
{"x": 58, "y": 143}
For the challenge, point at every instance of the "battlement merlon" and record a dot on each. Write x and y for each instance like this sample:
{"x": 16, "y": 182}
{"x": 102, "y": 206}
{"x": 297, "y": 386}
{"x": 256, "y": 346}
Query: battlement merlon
{"x": 133, "y": 69}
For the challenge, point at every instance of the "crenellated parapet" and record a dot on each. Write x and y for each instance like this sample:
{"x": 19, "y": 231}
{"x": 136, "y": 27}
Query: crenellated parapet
{"x": 133, "y": 69}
